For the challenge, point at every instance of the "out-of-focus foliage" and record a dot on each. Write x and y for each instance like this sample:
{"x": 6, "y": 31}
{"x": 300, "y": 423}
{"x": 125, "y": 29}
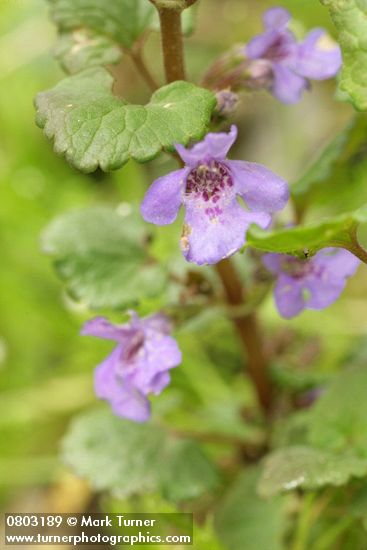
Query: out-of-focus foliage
{"x": 243, "y": 518}
{"x": 307, "y": 468}
{"x": 94, "y": 33}
{"x": 328, "y": 163}
{"x": 349, "y": 17}
{"x": 123, "y": 20}
{"x": 82, "y": 48}
{"x": 47, "y": 369}
{"x": 333, "y": 441}
{"x": 336, "y": 422}
{"x": 102, "y": 254}
{"x": 334, "y": 181}
{"x": 96, "y": 439}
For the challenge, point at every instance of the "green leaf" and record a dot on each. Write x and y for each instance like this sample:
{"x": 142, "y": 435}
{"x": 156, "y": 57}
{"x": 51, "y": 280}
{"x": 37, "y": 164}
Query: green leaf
{"x": 335, "y": 426}
{"x": 307, "y": 468}
{"x": 128, "y": 458}
{"x": 296, "y": 380}
{"x": 350, "y": 19}
{"x": 102, "y": 257}
{"x": 358, "y": 504}
{"x": 121, "y": 20}
{"x": 112, "y": 453}
{"x": 335, "y": 181}
{"x": 322, "y": 168}
{"x": 243, "y": 520}
{"x": 310, "y": 238}
{"x": 192, "y": 474}
{"x": 95, "y": 33}
{"x": 83, "y": 48}
{"x": 292, "y": 430}
{"x": 205, "y": 537}
{"x": 338, "y": 420}
{"x": 92, "y": 127}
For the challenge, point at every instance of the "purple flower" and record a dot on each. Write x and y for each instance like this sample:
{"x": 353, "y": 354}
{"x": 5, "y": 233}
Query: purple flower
{"x": 139, "y": 364}
{"x": 291, "y": 64}
{"x": 208, "y": 186}
{"x": 313, "y": 283}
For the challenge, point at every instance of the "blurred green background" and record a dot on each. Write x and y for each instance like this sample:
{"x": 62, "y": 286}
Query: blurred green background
{"x": 45, "y": 366}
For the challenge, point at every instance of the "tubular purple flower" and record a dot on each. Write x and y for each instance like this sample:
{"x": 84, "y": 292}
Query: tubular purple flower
{"x": 293, "y": 63}
{"x": 313, "y": 283}
{"x": 208, "y": 187}
{"x": 139, "y": 364}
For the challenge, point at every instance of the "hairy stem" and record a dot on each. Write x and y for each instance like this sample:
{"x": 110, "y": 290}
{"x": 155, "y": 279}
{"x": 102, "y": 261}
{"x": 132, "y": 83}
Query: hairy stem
{"x": 248, "y": 330}
{"x": 172, "y": 43}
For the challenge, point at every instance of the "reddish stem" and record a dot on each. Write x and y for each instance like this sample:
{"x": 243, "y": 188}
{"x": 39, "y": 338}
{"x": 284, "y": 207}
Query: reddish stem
{"x": 172, "y": 44}
{"x": 248, "y": 330}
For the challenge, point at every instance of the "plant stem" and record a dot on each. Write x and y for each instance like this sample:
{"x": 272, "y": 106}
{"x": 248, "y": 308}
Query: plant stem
{"x": 329, "y": 537}
{"x": 210, "y": 437}
{"x": 249, "y": 333}
{"x": 251, "y": 451}
{"x": 305, "y": 519}
{"x": 246, "y": 324}
{"x": 172, "y": 43}
{"x": 138, "y": 60}
{"x": 360, "y": 252}
{"x": 356, "y": 249}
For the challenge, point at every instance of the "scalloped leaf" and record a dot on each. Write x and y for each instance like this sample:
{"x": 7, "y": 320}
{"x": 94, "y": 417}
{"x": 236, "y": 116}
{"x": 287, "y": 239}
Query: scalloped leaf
{"x": 82, "y": 48}
{"x": 350, "y": 19}
{"x": 95, "y": 33}
{"x": 126, "y": 458}
{"x": 333, "y": 231}
{"x": 103, "y": 258}
{"x": 307, "y": 468}
{"x": 333, "y": 442}
{"x": 121, "y": 20}
{"x": 93, "y": 128}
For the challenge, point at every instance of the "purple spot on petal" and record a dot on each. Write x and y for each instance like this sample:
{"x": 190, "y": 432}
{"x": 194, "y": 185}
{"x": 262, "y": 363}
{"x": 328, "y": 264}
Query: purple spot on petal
{"x": 207, "y": 181}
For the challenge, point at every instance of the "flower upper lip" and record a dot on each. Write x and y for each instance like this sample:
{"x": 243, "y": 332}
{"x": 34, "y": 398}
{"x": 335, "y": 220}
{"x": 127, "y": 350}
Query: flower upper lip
{"x": 293, "y": 63}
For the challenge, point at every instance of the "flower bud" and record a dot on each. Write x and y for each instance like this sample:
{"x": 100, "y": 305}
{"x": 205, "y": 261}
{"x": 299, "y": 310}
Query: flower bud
{"x": 233, "y": 72}
{"x": 227, "y": 103}
{"x": 259, "y": 75}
